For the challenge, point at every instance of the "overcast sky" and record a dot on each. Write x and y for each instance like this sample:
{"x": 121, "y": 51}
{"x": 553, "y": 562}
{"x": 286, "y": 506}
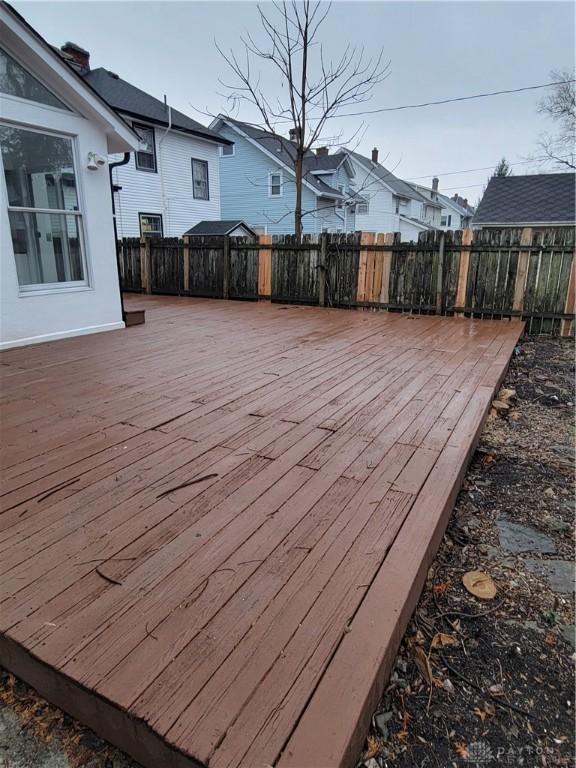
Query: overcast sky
{"x": 437, "y": 50}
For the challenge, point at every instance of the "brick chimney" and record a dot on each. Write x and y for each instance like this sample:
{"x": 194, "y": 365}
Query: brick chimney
{"x": 322, "y": 151}
{"x": 77, "y": 57}
{"x": 375, "y": 155}
{"x": 294, "y": 134}
{"x": 435, "y": 182}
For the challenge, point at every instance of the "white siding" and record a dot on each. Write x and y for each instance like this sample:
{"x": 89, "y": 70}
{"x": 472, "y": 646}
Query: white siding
{"x": 169, "y": 191}
{"x": 43, "y": 315}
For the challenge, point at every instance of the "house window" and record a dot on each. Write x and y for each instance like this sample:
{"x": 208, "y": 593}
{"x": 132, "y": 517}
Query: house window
{"x": 43, "y": 209}
{"x": 146, "y": 156}
{"x": 275, "y": 184}
{"x": 227, "y": 150}
{"x": 200, "y": 186}
{"x": 150, "y": 225}
{"x": 362, "y": 209}
{"x": 339, "y": 203}
{"x": 16, "y": 81}
{"x": 443, "y": 221}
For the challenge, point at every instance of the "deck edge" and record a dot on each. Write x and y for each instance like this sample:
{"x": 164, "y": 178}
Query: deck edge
{"x": 113, "y": 724}
{"x": 323, "y": 738}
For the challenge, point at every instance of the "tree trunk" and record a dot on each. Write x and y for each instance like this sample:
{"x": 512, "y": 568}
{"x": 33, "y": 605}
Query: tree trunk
{"x": 298, "y": 207}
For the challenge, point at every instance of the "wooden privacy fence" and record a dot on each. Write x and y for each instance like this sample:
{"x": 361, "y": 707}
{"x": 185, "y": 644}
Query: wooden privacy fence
{"x": 497, "y": 273}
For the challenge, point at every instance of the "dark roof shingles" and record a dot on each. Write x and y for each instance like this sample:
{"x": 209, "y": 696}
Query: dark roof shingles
{"x": 222, "y": 227}
{"x": 537, "y": 199}
{"x": 125, "y": 97}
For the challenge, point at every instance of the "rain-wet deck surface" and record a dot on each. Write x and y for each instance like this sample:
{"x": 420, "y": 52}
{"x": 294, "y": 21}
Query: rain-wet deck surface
{"x": 216, "y": 525}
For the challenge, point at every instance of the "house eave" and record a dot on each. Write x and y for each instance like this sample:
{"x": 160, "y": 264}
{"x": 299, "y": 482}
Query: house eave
{"x": 180, "y": 129}
{"x": 18, "y": 32}
{"x": 523, "y": 223}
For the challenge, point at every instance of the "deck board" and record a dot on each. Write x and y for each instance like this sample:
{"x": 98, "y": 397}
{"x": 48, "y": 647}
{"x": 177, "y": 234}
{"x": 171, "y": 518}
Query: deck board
{"x": 215, "y": 526}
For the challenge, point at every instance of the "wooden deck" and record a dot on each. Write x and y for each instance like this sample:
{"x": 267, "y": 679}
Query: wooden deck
{"x": 216, "y": 525}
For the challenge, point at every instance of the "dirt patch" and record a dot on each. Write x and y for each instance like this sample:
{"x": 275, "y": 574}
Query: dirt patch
{"x": 488, "y": 683}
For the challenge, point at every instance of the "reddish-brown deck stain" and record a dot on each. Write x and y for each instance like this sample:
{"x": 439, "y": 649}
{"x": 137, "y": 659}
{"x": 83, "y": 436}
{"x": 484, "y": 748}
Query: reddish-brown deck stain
{"x": 216, "y": 525}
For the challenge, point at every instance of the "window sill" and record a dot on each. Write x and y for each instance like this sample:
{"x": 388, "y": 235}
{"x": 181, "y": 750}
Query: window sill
{"x": 28, "y": 292}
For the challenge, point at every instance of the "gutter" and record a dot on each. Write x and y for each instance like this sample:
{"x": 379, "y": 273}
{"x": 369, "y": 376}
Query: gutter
{"x": 113, "y": 189}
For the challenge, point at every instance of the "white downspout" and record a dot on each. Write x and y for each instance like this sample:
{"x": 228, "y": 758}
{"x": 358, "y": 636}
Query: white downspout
{"x": 160, "y": 142}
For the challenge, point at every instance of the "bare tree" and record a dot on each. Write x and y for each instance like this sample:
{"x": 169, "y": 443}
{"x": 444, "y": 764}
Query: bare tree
{"x": 314, "y": 91}
{"x": 560, "y": 105}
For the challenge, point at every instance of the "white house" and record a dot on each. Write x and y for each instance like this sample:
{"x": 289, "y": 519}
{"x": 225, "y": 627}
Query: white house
{"x": 455, "y": 212}
{"x": 173, "y": 181}
{"x": 58, "y": 271}
{"x": 388, "y": 204}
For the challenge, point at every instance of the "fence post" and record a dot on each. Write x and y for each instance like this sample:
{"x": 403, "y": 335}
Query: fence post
{"x": 226, "y": 267}
{"x": 522, "y": 271}
{"x": 386, "y": 267}
{"x": 186, "y": 264}
{"x": 566, "y": 325}
{"x": 145, "y": 265}
{"x": 265, "y": 267}
{"x": 440, "y": 274}
{"x": 463, "y": 265}
{"x": 322, "y": 266}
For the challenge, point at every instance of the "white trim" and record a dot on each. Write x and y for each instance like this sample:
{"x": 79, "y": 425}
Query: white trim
{"x": 271, "y": 155}
{"x": 522, "y": 223}
{"x": 13, "y": 31}
{"x": 275, "y": 173}
{"x": 62, "y": 335}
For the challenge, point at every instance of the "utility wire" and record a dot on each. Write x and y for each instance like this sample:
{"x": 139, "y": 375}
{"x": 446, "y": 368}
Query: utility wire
{"x": 472, "y": 170}
{"x": 449, "y": 101}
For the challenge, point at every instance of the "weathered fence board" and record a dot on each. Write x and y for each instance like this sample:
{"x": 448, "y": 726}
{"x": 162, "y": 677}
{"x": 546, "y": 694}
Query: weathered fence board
{"x": 493, "y": 273}
{"x": 130, "y": 264}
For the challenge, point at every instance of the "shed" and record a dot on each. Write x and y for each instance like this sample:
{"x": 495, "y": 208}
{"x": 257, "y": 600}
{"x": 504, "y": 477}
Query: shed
{"x": 233, "y": 227}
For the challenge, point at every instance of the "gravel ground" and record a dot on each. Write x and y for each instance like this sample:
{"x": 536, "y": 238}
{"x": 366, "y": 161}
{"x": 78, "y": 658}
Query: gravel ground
{"x": 475, "y": 683}
{"x": 490, "y": 682}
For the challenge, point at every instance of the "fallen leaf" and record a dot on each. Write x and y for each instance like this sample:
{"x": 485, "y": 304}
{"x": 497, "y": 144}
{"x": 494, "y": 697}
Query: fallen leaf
{"x": 442, "y": 640}
{"x": 500, "y": 405}
{"x": 373, "y": 747}
{"x": 461, "y": 750}
{"x": 441, "y": 588}
{"x": 506, "y": 394}
{"x": 550, "y": 639}
{"x": 423, "y": 665}
{"x": 490, "y": 709}
{"x": 479, "y": 584}
{"x": 496, "y": 690}
{"x": 479, "y": 713}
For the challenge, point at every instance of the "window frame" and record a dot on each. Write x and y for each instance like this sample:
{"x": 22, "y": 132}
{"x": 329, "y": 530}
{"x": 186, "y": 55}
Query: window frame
{"x": 340, "y": 202}
{"x": 35, "y": 289}
{"x": 280, "y": 183}
{"x": 367, "y": 207}
{"x": 207, "y": 166}
{"x": 227, "y": 146}
{"x": 157, "y": 215}
{"x": 136, "y": 126}
{"x": 65, "y": 110}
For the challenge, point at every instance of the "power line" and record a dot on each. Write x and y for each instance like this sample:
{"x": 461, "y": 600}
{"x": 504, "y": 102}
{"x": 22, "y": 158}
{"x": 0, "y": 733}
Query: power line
{"x": 472, "y": 170}
{"x": 449, "y": 101}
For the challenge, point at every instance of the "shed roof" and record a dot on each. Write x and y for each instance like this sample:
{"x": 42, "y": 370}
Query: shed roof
{"x": 221, "y": 227}
{"x": 544, "y": 198}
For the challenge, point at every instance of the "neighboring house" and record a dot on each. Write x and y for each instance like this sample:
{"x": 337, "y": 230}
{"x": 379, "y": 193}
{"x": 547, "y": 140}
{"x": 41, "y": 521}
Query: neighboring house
{"x": 539, "y": 200}
{"x": 233, "y": 228}
{"x": 58, "y": 255}
{"x": 173, "y": 181}
{"x": 258, "y": 182}
{"x": 390, "y": 204}
{"x": 455, "y": 212}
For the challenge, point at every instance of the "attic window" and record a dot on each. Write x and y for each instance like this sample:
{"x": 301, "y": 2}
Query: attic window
{"x": 362, "y": 209}
{"x": 146, "y": 156}
{"x": 16, "y": 81}
{"x": 227, "y": 150}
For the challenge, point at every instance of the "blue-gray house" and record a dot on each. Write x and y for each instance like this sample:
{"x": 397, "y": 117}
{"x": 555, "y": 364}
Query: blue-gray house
{"x": 257, "y": 182}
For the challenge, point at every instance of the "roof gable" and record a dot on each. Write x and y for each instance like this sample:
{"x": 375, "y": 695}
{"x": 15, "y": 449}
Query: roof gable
{"x": 26, "y": 44}
{"x": 222, "y": 227}
{"x": 282, "y": 151}
{"x": 387, "y": 178}
{"x": 545, "y": 198}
